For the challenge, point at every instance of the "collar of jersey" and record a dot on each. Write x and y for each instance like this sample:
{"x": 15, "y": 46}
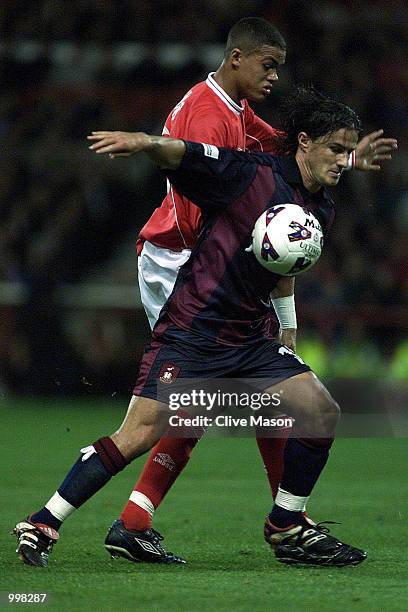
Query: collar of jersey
{"x": 233, "y": 106}
{"x": 291, "y": 170}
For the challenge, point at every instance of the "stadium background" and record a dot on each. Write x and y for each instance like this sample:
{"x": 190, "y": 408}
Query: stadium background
{"x": 71, "y": 320}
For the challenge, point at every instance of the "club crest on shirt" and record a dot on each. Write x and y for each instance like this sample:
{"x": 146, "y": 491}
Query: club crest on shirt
{"x": 168, "y": 373}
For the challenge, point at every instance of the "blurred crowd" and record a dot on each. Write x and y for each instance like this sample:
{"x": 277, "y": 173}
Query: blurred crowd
{"x": 69, "y": 217}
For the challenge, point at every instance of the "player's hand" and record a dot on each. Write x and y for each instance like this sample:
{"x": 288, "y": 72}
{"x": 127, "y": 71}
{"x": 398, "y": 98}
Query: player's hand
{"x": 118, "y": 144}
{"x": 372, "y": 149}
{"x": 288, "y": 338}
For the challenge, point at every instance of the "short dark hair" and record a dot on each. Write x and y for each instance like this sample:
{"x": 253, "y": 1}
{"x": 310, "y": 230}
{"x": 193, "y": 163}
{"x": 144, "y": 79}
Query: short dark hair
{"x": 305, "y": 109}
{"x": 251, "y": 33}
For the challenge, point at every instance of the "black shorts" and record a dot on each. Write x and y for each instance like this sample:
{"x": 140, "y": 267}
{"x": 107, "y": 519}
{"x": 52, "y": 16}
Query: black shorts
{"x": 180, "y": 354}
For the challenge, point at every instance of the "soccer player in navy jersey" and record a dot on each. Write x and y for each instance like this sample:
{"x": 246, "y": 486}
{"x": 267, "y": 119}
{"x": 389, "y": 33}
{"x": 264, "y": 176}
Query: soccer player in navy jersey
{"x": 216, "y": 111}
{"x": 214, "y": 325}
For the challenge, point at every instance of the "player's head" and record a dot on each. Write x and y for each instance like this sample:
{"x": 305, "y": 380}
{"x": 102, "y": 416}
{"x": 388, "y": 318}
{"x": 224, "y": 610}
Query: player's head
{"x": 254, "y": 50}
{"x": 321, "y": 132}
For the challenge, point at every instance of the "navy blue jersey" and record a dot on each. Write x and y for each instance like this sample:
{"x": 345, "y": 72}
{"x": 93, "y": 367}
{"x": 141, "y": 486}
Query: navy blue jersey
{"x": 222, "y": 292}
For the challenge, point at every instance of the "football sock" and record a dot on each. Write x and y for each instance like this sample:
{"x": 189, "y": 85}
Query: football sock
{"x": 165, "y": 463}
{"x": 54, "y": 513}
{"x": 97, "y": 464}
{"x": 272, "y": 452}
{"x": 304, "y": 462}
{"x": 280, "y": 517}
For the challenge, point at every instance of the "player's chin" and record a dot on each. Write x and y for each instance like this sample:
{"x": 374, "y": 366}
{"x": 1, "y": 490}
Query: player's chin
{"x": 260, "y": 96}
{"x": 332, "y": 179}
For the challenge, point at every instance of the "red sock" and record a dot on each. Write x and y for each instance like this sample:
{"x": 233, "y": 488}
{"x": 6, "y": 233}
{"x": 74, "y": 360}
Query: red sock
{"x": 166, "y": 461}
{"x": 272, "y": 451}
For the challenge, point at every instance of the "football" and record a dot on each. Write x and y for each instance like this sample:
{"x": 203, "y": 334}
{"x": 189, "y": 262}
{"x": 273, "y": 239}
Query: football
{"x": 287, "y": 239}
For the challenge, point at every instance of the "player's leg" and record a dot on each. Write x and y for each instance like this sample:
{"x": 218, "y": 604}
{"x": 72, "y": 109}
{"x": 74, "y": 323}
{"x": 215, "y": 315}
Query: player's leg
{"x": 272, "y": 452}
{"x": 272, "y": 449}
{"x": 316, "y": 415}
{"x": 306, "y": 452}
{"x": 145, "y": 421}
{"x": 165, "y": 463}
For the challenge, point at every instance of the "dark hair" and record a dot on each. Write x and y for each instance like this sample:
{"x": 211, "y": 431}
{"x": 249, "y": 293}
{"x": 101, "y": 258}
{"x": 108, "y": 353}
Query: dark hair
{"x": 251, "y": 33}
{"x": 307, "y": 110}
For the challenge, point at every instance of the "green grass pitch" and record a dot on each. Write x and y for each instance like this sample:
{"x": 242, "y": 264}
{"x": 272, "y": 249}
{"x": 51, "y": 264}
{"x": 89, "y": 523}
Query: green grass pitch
{"x": 213, "y": 516}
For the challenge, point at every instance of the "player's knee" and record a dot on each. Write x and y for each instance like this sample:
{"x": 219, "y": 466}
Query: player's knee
{"x": 327, "y": 415}
{"x": 136, "y": 445}
{"x": 321, "y": 419}
{"x": 145, "y": 422}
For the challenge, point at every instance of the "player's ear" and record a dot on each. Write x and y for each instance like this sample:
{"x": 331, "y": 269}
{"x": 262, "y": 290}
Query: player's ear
{"x": 235, "y": 57}
{"x": 304, "y": 141}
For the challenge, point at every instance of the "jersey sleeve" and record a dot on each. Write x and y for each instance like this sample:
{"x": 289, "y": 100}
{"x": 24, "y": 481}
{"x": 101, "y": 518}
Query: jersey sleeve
{"x": 213, "y": 177}
{"x": 260, "y": 136}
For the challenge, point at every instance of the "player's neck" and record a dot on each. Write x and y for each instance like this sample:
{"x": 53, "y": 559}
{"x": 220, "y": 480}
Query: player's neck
{"x": 308, "y": 179}
{"x": 224, "y": 79}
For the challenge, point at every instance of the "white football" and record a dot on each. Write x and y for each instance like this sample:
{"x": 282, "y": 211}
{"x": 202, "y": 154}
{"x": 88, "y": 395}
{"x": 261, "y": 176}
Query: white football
{"x": 287, "y": 239}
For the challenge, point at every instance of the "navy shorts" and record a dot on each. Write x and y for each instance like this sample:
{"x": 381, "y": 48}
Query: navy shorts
{"x": 180, "y": 354}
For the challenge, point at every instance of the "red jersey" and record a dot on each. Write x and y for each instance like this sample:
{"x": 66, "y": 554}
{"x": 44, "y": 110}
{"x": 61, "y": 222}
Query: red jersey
{"x": 205, "y": 114}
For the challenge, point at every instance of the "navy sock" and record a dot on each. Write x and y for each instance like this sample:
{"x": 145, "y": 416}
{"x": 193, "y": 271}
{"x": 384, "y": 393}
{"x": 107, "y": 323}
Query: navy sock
{"x": 83, "y": 480}
{"x": 88, "y": 474}
{"x": 45, "y": 517}
{"x": 303, "y": 466}
{"x": 283, "y": 518}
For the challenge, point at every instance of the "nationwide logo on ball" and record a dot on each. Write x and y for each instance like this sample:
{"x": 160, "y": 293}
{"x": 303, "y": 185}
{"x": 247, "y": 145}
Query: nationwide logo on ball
{"x": 287, "y": 239}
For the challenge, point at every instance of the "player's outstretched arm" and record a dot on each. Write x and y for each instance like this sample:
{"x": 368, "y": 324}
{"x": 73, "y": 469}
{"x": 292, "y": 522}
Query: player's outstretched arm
{"x": 166, "y": 152}
{"x": 373, "y": 149}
